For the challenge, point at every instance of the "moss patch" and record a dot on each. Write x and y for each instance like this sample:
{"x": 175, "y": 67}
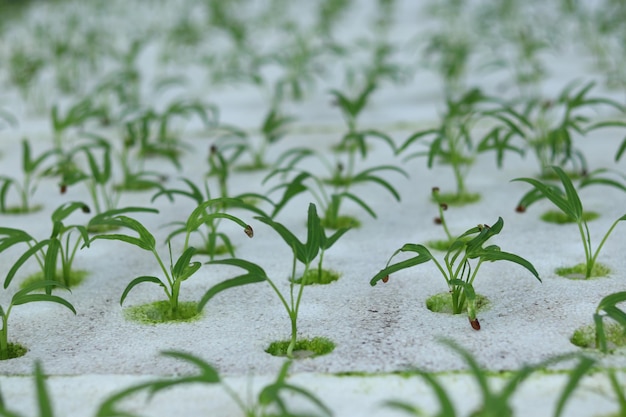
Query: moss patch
{"x": 442, "y": 303}
{"x": 585, "y": 336}
{"x": 558, "y": 217}
{"x": 312, "y": 277}
{"x": 15, "y": 350}
{"x": 160, "y": 312}
{"x": 454, "y": 199}
{"x": 579, "y": 271}
{"x": 21, "y": 210}
{"x": 218, "y": 250}
{"x": 305, "y": 348}
{"x": 76, "y": 278}
{"x": 341, "y": 222}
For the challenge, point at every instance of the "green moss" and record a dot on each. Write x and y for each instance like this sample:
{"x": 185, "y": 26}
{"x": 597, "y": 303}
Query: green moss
{"x": 75, "y": 279}
{"x": 160, "y": 312}
{"x": 585, "y": 336}
{"x": 219, "y": 250}
{"x": 340, "y": 222}
{"x": 454, "y": 199}
{"x": 305, "y": 348}
{"x": 579, "y": 271}
{"x": 15, "y": 350}
{"x": 442, "y": 303}
{"x": 21, "y": 210}
{"x": 313, "y": 277}
{"x": 558, "y": 217}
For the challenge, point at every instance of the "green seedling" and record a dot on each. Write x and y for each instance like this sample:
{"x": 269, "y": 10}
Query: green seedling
{"x": 211, "y": 220}
{"x": 274, "y": 127}
{"x": 76, "y": 117}
{"x": 458, "y": 272}
{"x": 449, "y": 54}
{"x": 332, "y": 192}
{"x": 44, "y": 404}
{"x": 569, "y": 203}
{"x": 32, "y": 168}
{"x": 24, "y": 68}
{"x": 28, "y": 294}
{"x": 619, "y": 391}
{"x": 355, "y": 139}
{"x": 304, "y": 252}
{"x": 552, "y": 142}
{"x": 607, "y": 308}
{"x": 178, "y": 271}
{"x": 59, "y": 247}
{"x": 493, "y": 403}
{"x": 270, "y": 400}
{"x": 444, "y": 244}
{"x": 453, "y": 140}
{"x": 104, "y": 195}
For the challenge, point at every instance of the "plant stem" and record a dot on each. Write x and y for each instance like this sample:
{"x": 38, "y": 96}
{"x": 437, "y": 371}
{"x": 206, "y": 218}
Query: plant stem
{"x": 4, "y": 343}
{"x": 587, "y": 246}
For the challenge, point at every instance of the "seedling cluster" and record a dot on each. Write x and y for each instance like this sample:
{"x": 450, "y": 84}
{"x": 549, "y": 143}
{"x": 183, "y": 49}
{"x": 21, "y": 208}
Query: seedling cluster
{"x": 136, "y": 159}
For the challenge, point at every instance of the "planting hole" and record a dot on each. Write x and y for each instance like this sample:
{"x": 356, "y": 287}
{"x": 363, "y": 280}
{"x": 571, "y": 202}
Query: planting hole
{"x": 442, "y": 303}
{"x": 314, "y": 277}
{"x": 15, "y": 350}
{"x": 160, "y": 312}
{"x": 578, "y": 271}
{"x": 454, "y": 199}
{"x": 558, "y": 217}
{"x": 305, "y": 348}
{"x": 75, "y": 278}
{"x": 585, "y": 336}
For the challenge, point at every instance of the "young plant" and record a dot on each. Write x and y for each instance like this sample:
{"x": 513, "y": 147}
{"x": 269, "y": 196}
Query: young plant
{"x": 330, "y": 193}
{"x": 28, "y": 294}
{"x": 355, "y": 139}
{"x": 304, "y": 252}
{"x": 552, "y": 142}
{"x": 274, "y": 127}
{"x": 212, "y": 236}
{"x": 453, "y": 141}
{"x": 270, "y": 400}
{"x": 493, "y": 403}
{"x": 607, "y": 308}
{"x": 103, "y": 193}
{"x": 457, "y": 269}
{"x": 178, "y": 271}
{"x": 443, "y": 244}
{"x": 76, "y": 117}
{"x": 569, "y": 203}
{"x": 59, "y": 247}
{"x": 32, "y": 169}
{"x": 43, "y": 397}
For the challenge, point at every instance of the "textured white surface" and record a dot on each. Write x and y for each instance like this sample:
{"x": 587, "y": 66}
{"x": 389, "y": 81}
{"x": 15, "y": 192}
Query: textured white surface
{"x": 379, "y": 330}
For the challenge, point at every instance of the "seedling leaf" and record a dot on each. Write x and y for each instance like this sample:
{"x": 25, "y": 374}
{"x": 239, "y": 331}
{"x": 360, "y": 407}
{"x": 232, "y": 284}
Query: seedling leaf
{"x": 137, "y": 281}
{"x": 423, "y": 255}
{"x": 255, "y": 274}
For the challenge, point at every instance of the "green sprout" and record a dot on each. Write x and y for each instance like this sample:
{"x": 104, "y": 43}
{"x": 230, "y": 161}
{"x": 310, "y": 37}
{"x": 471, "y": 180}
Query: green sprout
{"x": 458, "y": 272}
{"x": 569, "y": 203}
{"x": 304, "y": 252}
{"x": 453, "y": 140}
{"x": 331, "y": 192}
{"x": 43, "y": 397}
{"x": 493, "y": 403}
{"x": 32, "y": 169}
{"x": 607, "y": 308}
{"x": 24, "y": 296}
{"x": 273, "y": 128}
{"x": 271, "y": 399}
{"x": 211, "y": 221}
{"x": 104, "y": 195}
{"x": 48, "y": 252}
{"x": 178, "y": 271}
{"x": 76, "y": 116}
{"x": 443, "y": 244}
{"x": 552, "y": 142}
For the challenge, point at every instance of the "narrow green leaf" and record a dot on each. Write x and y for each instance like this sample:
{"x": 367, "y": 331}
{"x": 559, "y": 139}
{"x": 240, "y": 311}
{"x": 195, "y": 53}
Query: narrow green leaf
{"x": 43, "y": 399}
{"x": 255, "y": 274}
{"x": 22, "y": 259}
{"x": 290, "y": 239}
{"x": 556, "y": 197}
{"x": 137, "y": 281}
{"x": 30, "y": 298}
{"x": 208, "y": 372}
{"x": 314, "y": 234}
{"x": 423, "y": 255}
{"x": 611, "y": 300}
